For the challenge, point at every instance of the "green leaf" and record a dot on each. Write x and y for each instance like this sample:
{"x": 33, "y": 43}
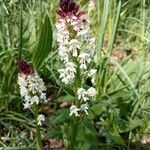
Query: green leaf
{"x": 65, "y": 98}
{"x": 117, "y": 139}
{"x": 134, "y": 123}
{"x": 44, "y": 44}
{"x": 88, "y": 125}
{"x": 97, "y": 109}
{"x": 59, "y": 117}
{"x": 90, "y": 139}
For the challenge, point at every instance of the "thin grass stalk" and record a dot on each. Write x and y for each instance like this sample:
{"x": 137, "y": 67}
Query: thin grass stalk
{"x": 39, "y": 144}
{"x": 136, "y": 34}
{"x": 143, "y": 13}
{"x": 7, "y": 35}
{"x": 121, "y": 69}
{"x": 111, "y": 43}
{"x": 140, "y": 23}
{"x": 143, "y": 27}
{"x": 129, "y": 140}
{"x": 98, "y": 12}
{"x": 74, "y": 132}
{"x": 21, "y": 29}
{"x": 114, "y": 30}
{"x": 102, "y": 28}
{"x": 111, "y": 18}
{"x": 99, "y": 45}
{"x": 75, "y": 123}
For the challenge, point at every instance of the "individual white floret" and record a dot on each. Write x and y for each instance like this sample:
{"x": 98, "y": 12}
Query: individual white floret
{"x": 73, "y": 20}
{"x": 81, "y": 26}
{"x": 84, "y": 60}
{"x": 62, "y": 51}
{"x": 91, "y": 4}
{"x": 92, "y": 74}
{"x": 68, "y": 74}
{"x": 63, "y": 38}
{"x": 27, "y": 104}
{"x": 61, "y": 25}
{"x": 22, "y": 80}
{"x": 91, "y": 92}
{"x": 40, "y": 119}
{"x": 35, "y": 99}
{"x": 84, "y": 107}
{"x": 43, "y": 97}
{"x": 74, "y": 45}
{"x": 71, "y": 68}
{"x": 82, "y": 94}
{"x": 74, "y": 110}
{"x": 23, "y": 91}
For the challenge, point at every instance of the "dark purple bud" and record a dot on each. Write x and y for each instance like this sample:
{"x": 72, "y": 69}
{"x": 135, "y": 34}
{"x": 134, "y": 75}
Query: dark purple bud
{"x": 25, "y": 68}
{"x": 67, "y": 8}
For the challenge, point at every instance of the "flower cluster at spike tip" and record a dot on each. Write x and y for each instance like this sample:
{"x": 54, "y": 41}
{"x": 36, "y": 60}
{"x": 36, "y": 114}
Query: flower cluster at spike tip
{"x": 32, "y": 88}
{"x": 68, "y": 8}
{"x": 76, "y": 49}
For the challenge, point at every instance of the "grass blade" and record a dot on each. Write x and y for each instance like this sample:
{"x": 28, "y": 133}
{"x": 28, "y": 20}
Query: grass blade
{"x": 44, "y": 43}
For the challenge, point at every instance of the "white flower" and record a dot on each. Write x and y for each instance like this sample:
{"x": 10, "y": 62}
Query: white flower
{"x": 27, "y": 105}
{"x": 43, "y": 97}
{"x": 82, "y": 94}
{"x": 92, "y": 74}
{"x": 40, "y": 119}
{"x": 91, "y": 92}
{"x": 84, "y": 107}
{"x": 31, "y": 89}
{"x": 34, "y": 99}
{"x": 73, "y": 20}
{"x": 71, "y": 68}
{"x": 68, "y": 74}
{"x": 90, "y": 45}
{"x": 84, "y": 59}
{"x": 27, "y": 102}
{"x": 74, "y": 46}
{"x": 91, "y": 40}
{"x": 22, "y": 80}
{"x": 62, "y": 51}
{"x": 61, "y": 25}
{"x": 74, "y": 110}
{"x": 63, "y": 76}
{"x": 63, "y": 38}
{"x": 62, "y": 32}
{"x": 81, "y": 26}
{"x": 91, "y": 4}
{"x": 23, "y": 91}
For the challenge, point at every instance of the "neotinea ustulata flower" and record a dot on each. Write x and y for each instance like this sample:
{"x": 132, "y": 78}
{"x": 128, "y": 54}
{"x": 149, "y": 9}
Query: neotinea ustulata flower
{"x": 32, "y": 88}
{"x": 76, "y": 49}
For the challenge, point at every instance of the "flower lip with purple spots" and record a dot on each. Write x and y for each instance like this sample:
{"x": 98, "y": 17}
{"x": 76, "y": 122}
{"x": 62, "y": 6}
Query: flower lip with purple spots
{"x": 25, "y": 68}
{"x": 68, "y": 8}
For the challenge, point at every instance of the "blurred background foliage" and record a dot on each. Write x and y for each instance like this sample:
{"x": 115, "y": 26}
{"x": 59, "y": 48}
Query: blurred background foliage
{"x": 119, "y": 118}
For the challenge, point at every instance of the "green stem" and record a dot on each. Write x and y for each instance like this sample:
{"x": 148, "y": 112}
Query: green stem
{"x": 39, "y": 141}
{"x": 75, "y": 123}
{"x": 39, "y": 144}
{"x": 21, "y": 28}
{"x": 74, "y": 133}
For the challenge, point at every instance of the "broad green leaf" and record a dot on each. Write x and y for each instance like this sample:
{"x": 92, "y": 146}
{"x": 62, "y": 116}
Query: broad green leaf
{"x": 89, "y": 126}
{"x": 65, "y": 98}
{"x": 134, "y": 123}
{"x": 44, "y": 44}
{"x": 117, "y": 139}
{"x": 97, "y": 109}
